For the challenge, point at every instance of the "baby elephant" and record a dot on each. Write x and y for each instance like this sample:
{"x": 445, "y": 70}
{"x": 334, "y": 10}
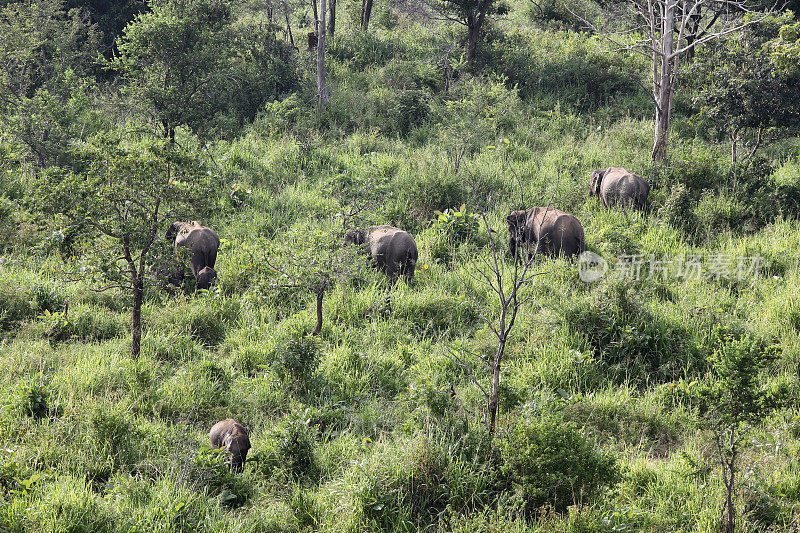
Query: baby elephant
{"x": 393, "y": 250}
{"x": 199, "y": 244}
{"x": 545, "y": 230}
{"x": 232, "y": 436}
{"x": 615, "y": 185}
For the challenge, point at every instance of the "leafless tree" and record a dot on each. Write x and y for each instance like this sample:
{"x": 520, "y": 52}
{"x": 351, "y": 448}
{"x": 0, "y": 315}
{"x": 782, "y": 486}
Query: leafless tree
{"x": 664, "y": 31}
{"x": 508, "y": 283}
{"x": 322, "y": 88}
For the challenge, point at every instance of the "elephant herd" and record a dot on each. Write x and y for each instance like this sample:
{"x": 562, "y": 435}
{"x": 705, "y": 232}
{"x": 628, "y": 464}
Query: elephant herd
{"x": 544, "y": 230}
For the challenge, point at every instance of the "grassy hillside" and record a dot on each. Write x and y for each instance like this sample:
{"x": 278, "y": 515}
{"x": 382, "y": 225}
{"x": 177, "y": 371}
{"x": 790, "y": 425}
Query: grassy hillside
{"x": 371, "y": 426}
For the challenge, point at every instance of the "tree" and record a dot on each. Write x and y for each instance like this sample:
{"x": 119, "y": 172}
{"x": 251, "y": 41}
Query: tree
{"x": 192, "y": 64}
{"x": 110, "y": 17}
{"x": 743, "y": 92}
{"x": 317, "y": 264}
{"x": 322, "y": 88}
{"x": 127, "y": 199}
{"x": 471, "y": 14}
{"x": 508, "y": 285}
{"x": 366, "y": 12}
{"x": 663, "y": 31}
{"x": 45, "y": 58}
{"x": 733, "y": 401}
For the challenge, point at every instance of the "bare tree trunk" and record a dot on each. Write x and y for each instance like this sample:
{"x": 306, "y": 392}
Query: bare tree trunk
{"x": 136, "y": 322}
{"x": 332, "y": 18}
{"x": 289, "y": 27}
{"x": 491, "y": 406}
{"x": 366, "y": 11}
{"x": 663, "y": 84}
{"x": 320, "y": 296}
{"x": 316, "y": 14}
{"x": 322, "y": 89}
{"x": 474, "y": 24}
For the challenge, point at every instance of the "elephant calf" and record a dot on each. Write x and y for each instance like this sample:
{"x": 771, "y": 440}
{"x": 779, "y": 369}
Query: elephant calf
{"x": 198, "y": 243}
{"x": 393, "y": 250}
{"x": 615, "y": 185}
{"x": 546, "y": 230}
{"x": 232, "y": 436}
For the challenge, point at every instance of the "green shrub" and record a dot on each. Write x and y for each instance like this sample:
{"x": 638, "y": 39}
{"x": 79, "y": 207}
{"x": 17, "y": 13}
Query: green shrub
{"x": 14, "y": 307}
{"x": 634, "y": 344}
{"x": 295, "y": 448}
{"x": 34, "y": 398}
{"x": 296, "y": 358}
{"x": 549, "y": 462}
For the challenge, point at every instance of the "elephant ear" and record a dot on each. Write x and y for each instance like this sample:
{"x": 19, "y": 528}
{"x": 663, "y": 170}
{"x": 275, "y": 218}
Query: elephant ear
{"x": 173, "y": 230}
{"x": 516, "y": 219}
{"x": 596, "y": 181}
{"x": 355, "y": 236}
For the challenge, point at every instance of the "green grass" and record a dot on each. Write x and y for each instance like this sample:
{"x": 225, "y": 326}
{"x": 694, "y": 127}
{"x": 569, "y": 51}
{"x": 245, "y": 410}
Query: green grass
{"x": 371, "y": 426}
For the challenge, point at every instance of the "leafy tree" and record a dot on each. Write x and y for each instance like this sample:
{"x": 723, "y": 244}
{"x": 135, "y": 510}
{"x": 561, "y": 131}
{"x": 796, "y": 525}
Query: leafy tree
{"x": 110, "y": 17}
{"x": 173, "y": 59}
{"x": 190, "y": 61}
{"x": 471, "y": 14}
{"x": 733, "y": 401}
{"x": 126, "y": 198}
{"x": 743, "y": 92}
{"x": 45, "y": 56}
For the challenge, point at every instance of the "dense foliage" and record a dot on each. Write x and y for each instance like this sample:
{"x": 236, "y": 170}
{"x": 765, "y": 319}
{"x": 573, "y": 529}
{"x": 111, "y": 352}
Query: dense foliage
{"x": 647, "y": 400}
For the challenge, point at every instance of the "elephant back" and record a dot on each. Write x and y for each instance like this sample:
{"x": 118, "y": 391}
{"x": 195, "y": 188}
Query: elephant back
{"x": 621, "y": 185}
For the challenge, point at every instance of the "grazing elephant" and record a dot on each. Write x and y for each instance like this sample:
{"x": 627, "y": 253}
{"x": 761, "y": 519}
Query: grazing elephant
{"x": 232, "y": 436}
{"x": 198, "y": 243}
{"x": 615, "y": 185}
{"x": 555, "y": 232}
{"x": 392, "y": 249}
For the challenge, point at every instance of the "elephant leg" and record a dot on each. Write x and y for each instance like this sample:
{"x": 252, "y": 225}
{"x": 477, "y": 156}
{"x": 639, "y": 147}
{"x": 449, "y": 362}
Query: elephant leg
{"x": 211, "y": 258}
{"x": 198, "y": 262}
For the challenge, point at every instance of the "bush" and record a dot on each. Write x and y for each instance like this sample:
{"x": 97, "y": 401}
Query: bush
{"x": 632, "y": 343}
{"x": 550, "y": 462}
{"x": 14, "y": 307}
{"x": 296, "y": 358}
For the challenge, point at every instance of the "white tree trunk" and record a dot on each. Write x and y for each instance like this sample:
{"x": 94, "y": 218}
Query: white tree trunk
{"x": 663, "y": 82}
{"x": 322, "y": 89}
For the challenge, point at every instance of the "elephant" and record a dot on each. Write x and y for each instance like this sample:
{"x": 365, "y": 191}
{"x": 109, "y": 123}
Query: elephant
{"x": 555, "y": 231}
{"x": 615, "y": 185}
{"x": 393, "y": 250}
{"x": 198, "y": 243}
{"x": 232, "y": 436}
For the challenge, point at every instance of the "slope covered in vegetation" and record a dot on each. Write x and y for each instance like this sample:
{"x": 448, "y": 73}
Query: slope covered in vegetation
{"x": 606, "y": 415}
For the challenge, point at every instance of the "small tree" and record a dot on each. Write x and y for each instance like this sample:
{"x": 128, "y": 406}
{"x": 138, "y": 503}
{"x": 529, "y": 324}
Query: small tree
{"x": 471, "y": 14}
{"x": 734, "y": 400}
{"x": 126, "y": 199}
{"x": 45, "y": 58}
{"x": 742, "y": 91}
{"x": 313, "y": 259}
{"x": 173, "y": 58}
{"x": 507, "y": 283}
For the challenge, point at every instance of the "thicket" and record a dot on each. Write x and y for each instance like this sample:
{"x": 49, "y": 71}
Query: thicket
{"x": 609, "y": 391}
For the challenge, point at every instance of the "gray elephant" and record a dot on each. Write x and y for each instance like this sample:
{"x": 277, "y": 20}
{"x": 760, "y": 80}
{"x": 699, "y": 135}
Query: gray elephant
{"x": 554, "y": 231}
{"x": 615, "y": 185}
{"x": 393, "y": 250}
{"x": 232, "y": 436}
{"x": 198, "y": 243}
